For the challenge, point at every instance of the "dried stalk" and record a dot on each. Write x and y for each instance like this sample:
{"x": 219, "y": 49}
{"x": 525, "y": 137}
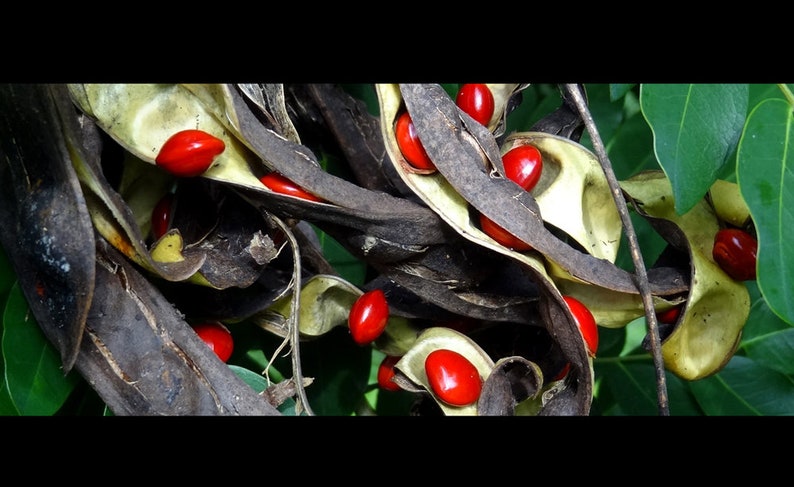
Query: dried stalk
{"x": 641, "y": 276}
{"x": 294, "y": 323}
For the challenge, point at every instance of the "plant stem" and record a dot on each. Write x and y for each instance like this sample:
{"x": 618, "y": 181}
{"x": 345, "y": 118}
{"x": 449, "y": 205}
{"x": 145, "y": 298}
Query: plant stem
{"x": 641, "y": 276}
{"x": 294, "y": 322}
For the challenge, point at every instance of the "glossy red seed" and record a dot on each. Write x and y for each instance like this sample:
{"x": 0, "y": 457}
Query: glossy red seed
{"x": 189, "y": 153}
{"x": 282, "y": 185}
{"x": 217, "y": 337}
{"x": 502, "y": 236}
{"x": 368, "y": 316}
{"x": 410, "y": 145}
{"x": 736, "y": 252}
{"x": 586, "y": 323}
{"x": 452, "y": 377}
{"x": 161, "y": 215}
{"x": 669, "y": 316}
{"x": 386, "y": 372}
{"x": 523, "y": 165}
{"x": 477, "y": 100}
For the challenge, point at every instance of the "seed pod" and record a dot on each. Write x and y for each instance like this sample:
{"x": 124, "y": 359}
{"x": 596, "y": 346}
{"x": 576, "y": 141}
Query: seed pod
{"x": 710, "y": 326}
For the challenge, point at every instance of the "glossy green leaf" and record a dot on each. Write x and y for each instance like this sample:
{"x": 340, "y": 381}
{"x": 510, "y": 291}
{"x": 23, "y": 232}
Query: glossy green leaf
{"x": 763, "y": 91}
{"x": 33, "y": 370}
{"x": 767, "y": 339}
{"x": 696, "y": 128}
{"x": 762, "y": 320}
{"x": 632, "y": 385}
{"x": 765, "y": 173}
{"x": 745, "y": 388}
{"x": 773, "y": 350}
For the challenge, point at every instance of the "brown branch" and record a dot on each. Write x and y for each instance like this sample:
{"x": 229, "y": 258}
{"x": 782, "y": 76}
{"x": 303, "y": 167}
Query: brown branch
{"x": 641, "y": 276}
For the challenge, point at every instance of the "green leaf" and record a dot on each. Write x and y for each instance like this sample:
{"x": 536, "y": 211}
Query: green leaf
{"x": 767, "y": 339}
{"x": 340, "y": 372}
{"x": 631, "y": 148}
{"x": 7, "y": 407}
{"x": 696, "y": 128}
{"x": 765, "y": 173}
{"x": 346, "y": 264}
{"x": 745, "y": 388}
{"x": 618, "y": 90}
{"x": 259, "y": 383}
{"x": 773, "y": 350}
{"x": 606, "y": 111}
{"x": 633, "y": 385}
{"x": 762, "y": 320}
{"x": 33, "y": 372}
{"x": 537, "y": 102}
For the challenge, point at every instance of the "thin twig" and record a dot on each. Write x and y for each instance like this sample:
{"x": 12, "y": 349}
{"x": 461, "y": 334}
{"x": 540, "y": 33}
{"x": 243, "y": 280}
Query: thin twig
{"x": 293, "y": 321}
{"x": 641, "y": 276}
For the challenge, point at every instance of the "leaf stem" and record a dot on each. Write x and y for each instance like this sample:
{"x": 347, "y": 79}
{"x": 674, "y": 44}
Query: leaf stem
{"x": 641, "y": 276}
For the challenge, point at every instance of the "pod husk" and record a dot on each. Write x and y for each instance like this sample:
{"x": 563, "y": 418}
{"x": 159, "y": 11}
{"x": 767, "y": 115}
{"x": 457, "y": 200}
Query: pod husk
{"x": 412, "y": 363}
{"x": 717, "y": 307}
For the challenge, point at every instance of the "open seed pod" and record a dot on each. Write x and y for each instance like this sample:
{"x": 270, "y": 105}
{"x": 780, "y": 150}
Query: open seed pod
{"x": 141, "y": 117}
{"x": 462, "y": 159}
{"x": 457, "y": 158}
{"x": 710, "y": 326}
{"x": 573, "y": 193}
{"x": 412, "y": 363}
{"x": 324, "y": 303}
{"x": 728, "y": 203}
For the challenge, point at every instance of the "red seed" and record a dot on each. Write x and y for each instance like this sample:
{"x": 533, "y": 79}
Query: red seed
{"x": 452, "y": 377}
{"x": 669, "y": 316}
{"x": 523, "y": 165}
{"x": 736, "y": 252}
{"x": 189, "y": 153}
{"x": 410, "y": 146}
{"x": 386, "y": 372}
{"x": 217, "y": 337}
{"x": 502, "y": 236}
{"x": 282, "y": 185}
{"x": 477, "y": 100}
{"x": 586, "y": 323}
{"x": 368, "y": 316}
